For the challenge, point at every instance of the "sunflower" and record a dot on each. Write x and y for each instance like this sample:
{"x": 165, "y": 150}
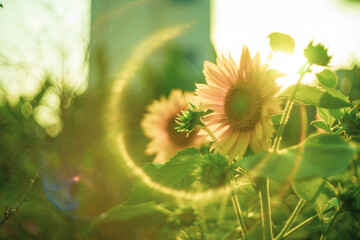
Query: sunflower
{"x": 243, "y": 99}
{"x": 159, "y": 125}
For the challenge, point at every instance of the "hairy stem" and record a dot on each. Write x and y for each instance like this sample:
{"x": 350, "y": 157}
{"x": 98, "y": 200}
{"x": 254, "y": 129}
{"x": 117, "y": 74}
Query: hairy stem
{"x": 324, "y": 235}
{"x": 238, "y": 213}
{"x": 202, "y": 219}
{"x": 304, "y": 223}
{"x": 291, "y": 219}
{"x": 209, "y": 132}
{"x": 356, "y": 173}
{"x": 288, "y": 108}
{"x": 223, "y": 206}
{"x": 265, "y": 208}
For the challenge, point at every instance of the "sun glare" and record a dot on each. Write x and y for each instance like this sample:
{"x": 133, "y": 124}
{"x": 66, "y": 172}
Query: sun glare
{"x": 332, "y": 22}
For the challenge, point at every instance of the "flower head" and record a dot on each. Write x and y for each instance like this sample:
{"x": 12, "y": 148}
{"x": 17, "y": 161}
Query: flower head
{"x": 159, "y": 125}
{"x": 243, "y": 99}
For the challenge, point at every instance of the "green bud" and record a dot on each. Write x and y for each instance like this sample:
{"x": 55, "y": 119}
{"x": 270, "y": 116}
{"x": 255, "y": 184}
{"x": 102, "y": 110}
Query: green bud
{"x": 184, "y": 216}
{"x": 214, "y": 171}
{"x": 350, "y": 124}
{"x": 190, "y": 119}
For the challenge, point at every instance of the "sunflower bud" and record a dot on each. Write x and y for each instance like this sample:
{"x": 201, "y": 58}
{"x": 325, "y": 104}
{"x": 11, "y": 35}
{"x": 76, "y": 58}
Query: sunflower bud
{"x": 349, "y": 123}
{"x": 214, "y": 171}
{"x": 184, "y": 216}
{"x": 190, "y": 119}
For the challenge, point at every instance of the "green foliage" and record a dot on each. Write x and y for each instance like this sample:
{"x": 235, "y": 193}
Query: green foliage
{"x": 321, "y": 124}
{"x": 176, "y": 173}
{"x": 327, "y": 78}
{"x": 350, "y": 200}
{"x": 317, "y": 54}
{"x": 316, "y": 191}
{"x": 328, "y": 118}
{"x": 281, "y": 42}
{"x": 319, "y": 155}
{"x": 276, "y": 118}
{"x": 324, "y": 98}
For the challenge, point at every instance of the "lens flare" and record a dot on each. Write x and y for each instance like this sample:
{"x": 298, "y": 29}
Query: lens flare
{"x": 69, "y": 188}
{"x": 113, "y": 122}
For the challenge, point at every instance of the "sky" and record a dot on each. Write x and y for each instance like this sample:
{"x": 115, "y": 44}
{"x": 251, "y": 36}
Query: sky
{"x": 38, "y": 34}
{"x": 335, "y": 23}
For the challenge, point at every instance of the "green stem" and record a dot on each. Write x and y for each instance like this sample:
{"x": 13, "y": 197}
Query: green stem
{"x": 324, "y": 235}
{"x": 234, "y": 199}
{"x": 291, "y": 219}
{"x": 302, "y": 224}
{"x": 209, "y": 132}
{"x": 237, "y": 208}
{"x": 202, "y": 217}
{"x": 356, "y": 172}
{"x": 164, "y": 210}
{"x": 299, "y": 226}
{"x": 223, "y": 206}
{"x": 7, "y": 214}
{"x": 265, "y": 208}
{"x": 288, "y": 108}
{"x": 264, "y": 187}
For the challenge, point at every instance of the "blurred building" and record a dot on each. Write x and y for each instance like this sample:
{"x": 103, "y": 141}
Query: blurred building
{"x": 119, "y": 25}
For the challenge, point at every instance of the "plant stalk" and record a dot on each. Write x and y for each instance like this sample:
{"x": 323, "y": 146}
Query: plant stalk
{"x": 291, "y": 219}
{"x": 324, "y": 235}
{"x": 265, "y": 209}
{"x": 287, "y": 110}
{"x": 302, "y": 224}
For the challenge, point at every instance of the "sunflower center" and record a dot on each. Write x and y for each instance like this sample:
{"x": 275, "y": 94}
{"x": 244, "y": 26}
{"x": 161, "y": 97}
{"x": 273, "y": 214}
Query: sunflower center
{"x": 178, "y": 138}
{"x": 243, "y": 106}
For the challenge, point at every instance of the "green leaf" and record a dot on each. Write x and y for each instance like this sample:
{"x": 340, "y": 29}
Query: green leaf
{"x": 321, "y": 124}
{"x": 320, "y": 155}
{"x": 177, "y": 174}
{"x": 324, "y": 98}
{"x": 316, "y": 191}
{"x": 330, "y": 115}
{"x": 281, "y": 42}
{"x": 123, "y": 212}
{"x": 276, "y": 118}
{"x": 317, "y": 54}
{"x": 327, "y": 78}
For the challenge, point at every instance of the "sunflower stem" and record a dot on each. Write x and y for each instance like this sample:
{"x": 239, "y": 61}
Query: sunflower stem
{"x": 202, "y": 218}
{"x": 332, "y": 221}
{"x": 223, "y": 206}
{"x": 237, "y": 208}
{"x": 356, "y": 171}
{"x": 304, "y": 223}
{"x": 291, "y": 219}
{"x": 209, "y": 132}
{"x": 288, "y": 107}
{"x": 265, "y": 208}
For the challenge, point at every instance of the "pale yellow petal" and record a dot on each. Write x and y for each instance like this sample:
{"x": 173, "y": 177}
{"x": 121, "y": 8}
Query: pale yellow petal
{"x": 239, "y": 148}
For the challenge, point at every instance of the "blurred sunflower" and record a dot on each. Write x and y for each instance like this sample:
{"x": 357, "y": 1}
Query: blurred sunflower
{"x": 243, "y": 99}
{"x": 159, "y": 125}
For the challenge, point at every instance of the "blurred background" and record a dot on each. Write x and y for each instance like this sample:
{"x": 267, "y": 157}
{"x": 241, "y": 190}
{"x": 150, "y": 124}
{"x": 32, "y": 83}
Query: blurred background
{"x": 58, "y": 63}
